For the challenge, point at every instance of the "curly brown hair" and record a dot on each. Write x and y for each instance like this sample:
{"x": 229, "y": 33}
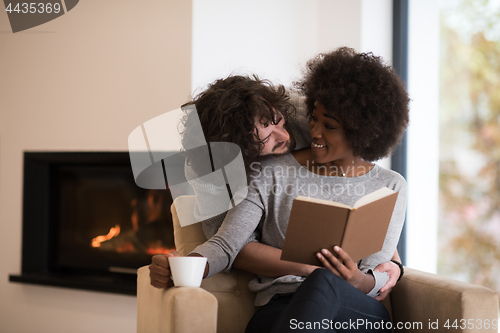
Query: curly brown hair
{"x": 366, "y": 95}
{"x": 227, "y": 111}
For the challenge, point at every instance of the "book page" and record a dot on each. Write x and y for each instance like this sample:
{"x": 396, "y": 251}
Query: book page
{"x": 374, "y": 196}
{"x": 367, "y": 227}
{"x": 323, "y": 201}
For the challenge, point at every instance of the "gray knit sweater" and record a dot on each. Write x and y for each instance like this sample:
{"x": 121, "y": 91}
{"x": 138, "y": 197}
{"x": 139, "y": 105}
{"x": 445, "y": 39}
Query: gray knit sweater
{"x": 267, "y": 208}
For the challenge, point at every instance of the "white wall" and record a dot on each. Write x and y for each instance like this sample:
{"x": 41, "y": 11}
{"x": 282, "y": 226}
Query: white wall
{"x": 273, "y": 39}
{"x": 376, "y": 28}
{"x": 423, "y": 135}
{"x": 82, "y": 82}
{"x": 376, "y": 36}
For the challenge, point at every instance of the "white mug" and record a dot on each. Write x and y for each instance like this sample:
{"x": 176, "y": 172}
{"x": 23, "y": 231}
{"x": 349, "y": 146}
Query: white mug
{"x": 187, "y": 271}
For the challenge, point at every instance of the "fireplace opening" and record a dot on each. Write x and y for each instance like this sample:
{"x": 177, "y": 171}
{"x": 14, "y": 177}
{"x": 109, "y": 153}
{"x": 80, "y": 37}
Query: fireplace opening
{"x": 147, "y": 231}
{"x": 86, "y": 224}
{"x": 106, "y": 221}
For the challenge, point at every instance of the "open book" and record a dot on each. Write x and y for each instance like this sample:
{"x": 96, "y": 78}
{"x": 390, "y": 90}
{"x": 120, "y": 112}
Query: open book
{"x": 317, "y": 224}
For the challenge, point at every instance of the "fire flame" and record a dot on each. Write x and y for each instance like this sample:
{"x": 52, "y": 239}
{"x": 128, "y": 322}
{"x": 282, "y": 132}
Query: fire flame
{"x": 96, "y": 242}
{"x": 158, "y": 250}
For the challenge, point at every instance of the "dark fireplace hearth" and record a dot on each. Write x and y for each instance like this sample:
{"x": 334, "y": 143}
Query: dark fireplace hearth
{"x": 86, "y": 224}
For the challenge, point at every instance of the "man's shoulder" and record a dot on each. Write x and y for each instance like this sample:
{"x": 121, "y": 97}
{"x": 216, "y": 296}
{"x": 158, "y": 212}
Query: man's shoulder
{"x": 272, "y": 160}
{"x": 272, "y": 167}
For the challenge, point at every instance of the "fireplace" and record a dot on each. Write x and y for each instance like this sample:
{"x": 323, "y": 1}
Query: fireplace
{"x": 86, "y": 224}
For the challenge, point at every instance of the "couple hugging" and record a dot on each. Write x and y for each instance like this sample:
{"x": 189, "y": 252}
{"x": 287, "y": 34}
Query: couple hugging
{"x": 357, "y": 110}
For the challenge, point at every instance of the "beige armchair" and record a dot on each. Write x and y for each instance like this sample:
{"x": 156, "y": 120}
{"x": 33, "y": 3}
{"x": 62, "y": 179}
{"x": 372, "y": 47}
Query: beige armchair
{"x": 224, "y": 304}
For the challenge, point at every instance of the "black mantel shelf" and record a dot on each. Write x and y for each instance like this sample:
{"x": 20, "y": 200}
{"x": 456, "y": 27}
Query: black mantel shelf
{"x": 118, "y": 283}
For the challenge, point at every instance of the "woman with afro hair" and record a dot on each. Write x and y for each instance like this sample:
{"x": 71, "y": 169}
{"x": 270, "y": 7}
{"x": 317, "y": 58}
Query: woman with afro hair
{"x": 358, "y": 109}
{"x": 365, "y": 94}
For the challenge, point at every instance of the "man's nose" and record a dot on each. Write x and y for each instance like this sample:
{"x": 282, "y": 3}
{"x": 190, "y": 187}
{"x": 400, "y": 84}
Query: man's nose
{"x": 282, "y": 134}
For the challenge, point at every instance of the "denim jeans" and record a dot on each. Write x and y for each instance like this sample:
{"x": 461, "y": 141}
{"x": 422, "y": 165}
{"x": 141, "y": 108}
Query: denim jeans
{"x": 324, "y": 302}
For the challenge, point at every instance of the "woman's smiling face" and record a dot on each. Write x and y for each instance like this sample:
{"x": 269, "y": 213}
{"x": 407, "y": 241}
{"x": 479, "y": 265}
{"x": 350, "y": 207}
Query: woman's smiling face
{"x": 329, "y": 143}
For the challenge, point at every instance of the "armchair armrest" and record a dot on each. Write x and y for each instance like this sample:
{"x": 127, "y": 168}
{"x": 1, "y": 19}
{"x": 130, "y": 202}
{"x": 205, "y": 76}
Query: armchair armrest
{"x": 425, "y": 297}
{"x": 176, "y": 310}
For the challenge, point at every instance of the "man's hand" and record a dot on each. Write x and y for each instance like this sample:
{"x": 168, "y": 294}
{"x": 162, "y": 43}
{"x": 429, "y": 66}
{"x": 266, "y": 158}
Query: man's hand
{"x": 159, "y": 270}
{"x": 347, "y": 269}
{"x": 394, "y": 272}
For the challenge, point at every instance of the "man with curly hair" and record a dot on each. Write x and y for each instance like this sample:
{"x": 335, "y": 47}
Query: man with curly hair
{"x": 248, "y": 111}
{"x": 252, "y": 113}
